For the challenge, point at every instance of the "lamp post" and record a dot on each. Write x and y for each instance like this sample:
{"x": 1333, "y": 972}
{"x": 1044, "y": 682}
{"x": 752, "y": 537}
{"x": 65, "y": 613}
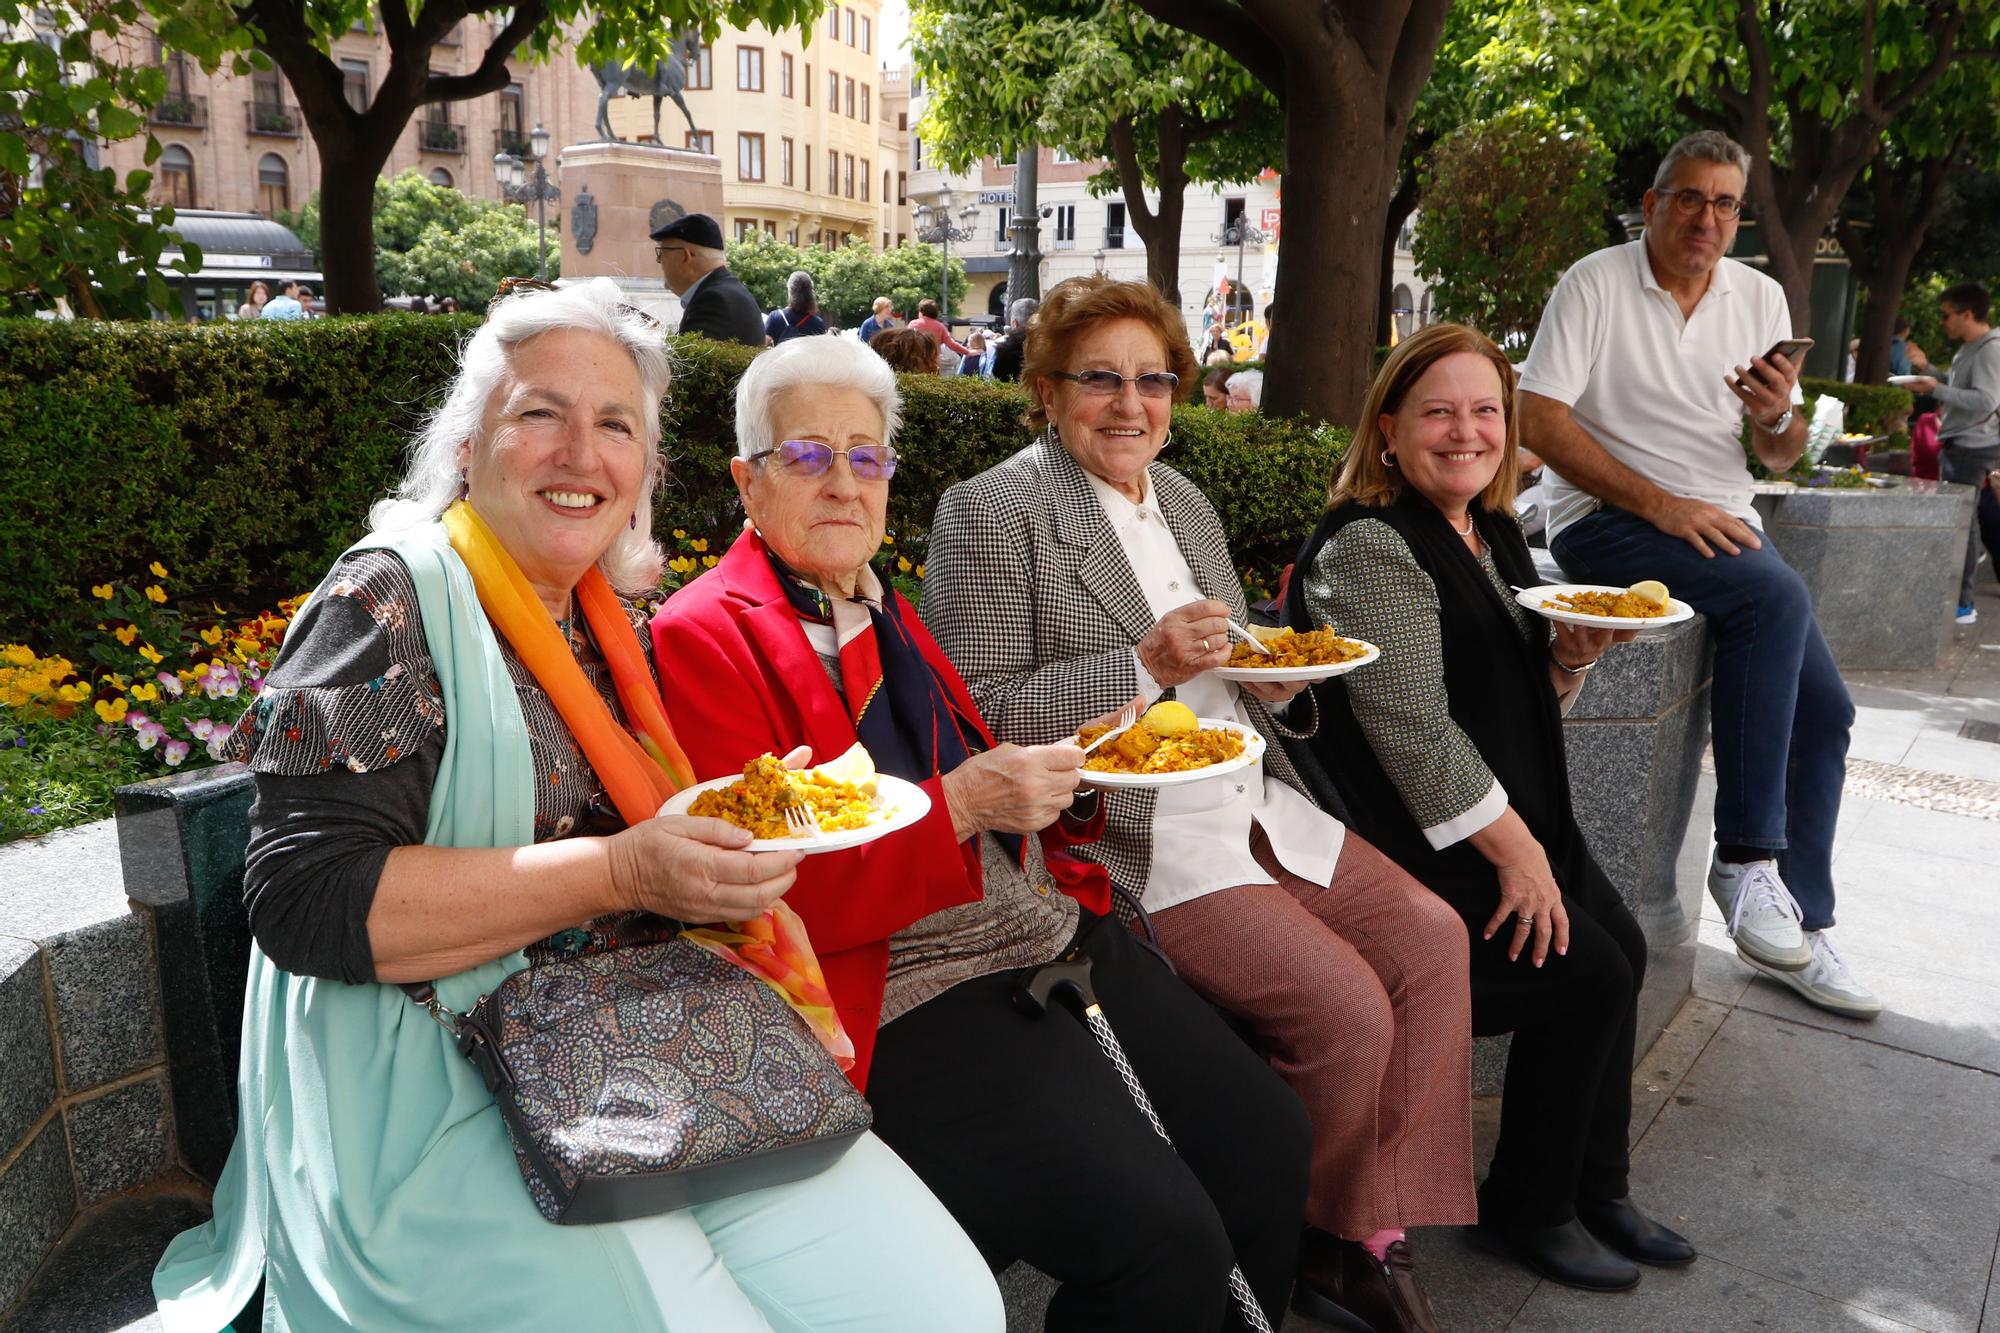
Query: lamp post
{"x": 521, "y": 187}
{"x": 1240, "y": 233}
{"x": 941, "y": 231}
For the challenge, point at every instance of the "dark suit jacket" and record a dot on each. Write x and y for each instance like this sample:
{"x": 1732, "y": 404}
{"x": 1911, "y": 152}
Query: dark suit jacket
{"x": 724, "y": 309}
{"x": 1007, "y": 356}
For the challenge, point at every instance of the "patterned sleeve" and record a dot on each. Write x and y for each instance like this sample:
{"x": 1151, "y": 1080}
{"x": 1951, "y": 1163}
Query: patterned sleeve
{"x": 1367, "y": 584}
{"x": 353, "y": 687}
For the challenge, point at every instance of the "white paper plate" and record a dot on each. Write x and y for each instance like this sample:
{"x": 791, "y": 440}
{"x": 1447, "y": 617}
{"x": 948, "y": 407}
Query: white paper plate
{"x": 902, "y": 803}
{"x": 1907, "y": 379}
{"x": 1537, "y": 600}
{"x": 1325, "y": 672}
{"x": 1253, "y": 750}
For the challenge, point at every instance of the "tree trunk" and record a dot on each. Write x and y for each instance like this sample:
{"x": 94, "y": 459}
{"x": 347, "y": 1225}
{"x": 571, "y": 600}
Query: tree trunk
{"x": 347, "y": 226}
{"x": 1024, "y": 267}
{"x": 1159, "y": 231}
{"x": 1905, "y": 202}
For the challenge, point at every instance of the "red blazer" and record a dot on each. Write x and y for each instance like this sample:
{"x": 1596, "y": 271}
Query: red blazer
{"x": 740, "y": 679}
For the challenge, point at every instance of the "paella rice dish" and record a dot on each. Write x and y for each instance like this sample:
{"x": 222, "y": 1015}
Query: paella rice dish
{"x": 768, "y": 789}
{"x": 1289, "y": 648}
{"x": 1632, "y": 604}
{"x": 1142, "y": 750}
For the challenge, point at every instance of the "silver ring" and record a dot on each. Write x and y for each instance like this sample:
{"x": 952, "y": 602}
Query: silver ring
{"x": 1525, "y": 919}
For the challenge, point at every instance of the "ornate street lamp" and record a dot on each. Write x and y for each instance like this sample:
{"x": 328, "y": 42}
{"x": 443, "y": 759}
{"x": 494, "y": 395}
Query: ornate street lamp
{"x": 939, "y": 230}
{"x": 519, "y": 186}
{"x": 1240, "y": 233}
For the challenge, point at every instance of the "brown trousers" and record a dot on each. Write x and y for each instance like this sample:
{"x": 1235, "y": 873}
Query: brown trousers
{"x": 1358, "y": 993}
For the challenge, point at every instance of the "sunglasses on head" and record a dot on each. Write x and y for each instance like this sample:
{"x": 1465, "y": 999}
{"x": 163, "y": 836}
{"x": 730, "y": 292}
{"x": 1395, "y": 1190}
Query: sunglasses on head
{"x": 810, "y": 458}
{"x": 1105, "y": 383}
{"x": 524, "y": 286}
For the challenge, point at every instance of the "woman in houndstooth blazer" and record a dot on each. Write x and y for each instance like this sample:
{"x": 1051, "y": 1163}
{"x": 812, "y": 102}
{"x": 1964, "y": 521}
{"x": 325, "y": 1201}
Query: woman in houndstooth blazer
{"x": 1081, "y": 572}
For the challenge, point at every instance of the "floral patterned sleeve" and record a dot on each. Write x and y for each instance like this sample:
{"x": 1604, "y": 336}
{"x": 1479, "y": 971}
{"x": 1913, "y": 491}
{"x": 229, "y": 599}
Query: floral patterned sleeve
{"x": 1367, "y": 584}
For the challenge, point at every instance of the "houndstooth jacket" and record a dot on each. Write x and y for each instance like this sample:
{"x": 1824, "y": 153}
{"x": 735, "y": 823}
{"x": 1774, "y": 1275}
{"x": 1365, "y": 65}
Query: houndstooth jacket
{"x": 1029, "y": 592}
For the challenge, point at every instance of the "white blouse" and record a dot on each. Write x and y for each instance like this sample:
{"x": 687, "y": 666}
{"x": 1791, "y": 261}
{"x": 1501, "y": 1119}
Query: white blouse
{"x": 1201, "y": 830}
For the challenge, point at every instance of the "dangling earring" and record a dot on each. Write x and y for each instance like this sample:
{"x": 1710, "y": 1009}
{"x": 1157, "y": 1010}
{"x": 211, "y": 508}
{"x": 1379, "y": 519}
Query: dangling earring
{"x": 464, "y": 489}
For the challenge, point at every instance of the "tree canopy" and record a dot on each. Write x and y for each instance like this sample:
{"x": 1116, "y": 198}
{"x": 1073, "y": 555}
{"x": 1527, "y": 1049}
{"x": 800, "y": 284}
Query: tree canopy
{"x": 69, "y": 228}
{"x": 848, "y": 279}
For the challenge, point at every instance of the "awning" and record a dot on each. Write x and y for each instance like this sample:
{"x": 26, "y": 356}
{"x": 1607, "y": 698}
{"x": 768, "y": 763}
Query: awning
{"x": 237, "y": 247}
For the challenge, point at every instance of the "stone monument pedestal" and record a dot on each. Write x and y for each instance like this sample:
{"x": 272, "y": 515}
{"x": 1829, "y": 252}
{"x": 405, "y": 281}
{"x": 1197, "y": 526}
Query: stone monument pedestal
{"x": 614, "y": 194}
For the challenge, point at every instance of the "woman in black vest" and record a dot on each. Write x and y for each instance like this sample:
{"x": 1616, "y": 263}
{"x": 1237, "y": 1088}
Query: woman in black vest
{"x": 1449, "y": 755}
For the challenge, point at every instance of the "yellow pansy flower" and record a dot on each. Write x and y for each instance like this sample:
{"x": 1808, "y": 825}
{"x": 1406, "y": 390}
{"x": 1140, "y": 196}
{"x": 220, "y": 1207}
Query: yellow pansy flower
{"x": 150, "y": 653}
{"x": 125, "y": 634}
{"x": 711, "y": 560}
{"x": 20, "y": 654}
{"x": 117, "y": 680}
{"x": 920, "y": 571}
{"x": 888, "y": 539}
{"x": 74, "y": 693}
{"x": 155, "y": 593}
{"x": 212, "y": 635}
{"x": 112, "y": 710}
{"x": 103, "y": 590}
{"x": 145, "y": 693}
{"x": 680, "y": 534}
{"x": 699, "y": 544}
{"x": 159, "y": 570}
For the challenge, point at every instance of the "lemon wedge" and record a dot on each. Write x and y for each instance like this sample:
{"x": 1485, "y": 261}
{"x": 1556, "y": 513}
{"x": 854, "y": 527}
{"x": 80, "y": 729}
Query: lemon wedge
{"x": 856, "y": 767}
{"x": 1170, "y": 717}
{"x": 1650, "y": 590}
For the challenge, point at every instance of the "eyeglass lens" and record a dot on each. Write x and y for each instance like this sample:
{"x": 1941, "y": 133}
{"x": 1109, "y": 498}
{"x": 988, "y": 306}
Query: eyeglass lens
{"x": 1692, "y": 202}
{"x": 871, "y": 462}
{"x": 1156, "y": 384}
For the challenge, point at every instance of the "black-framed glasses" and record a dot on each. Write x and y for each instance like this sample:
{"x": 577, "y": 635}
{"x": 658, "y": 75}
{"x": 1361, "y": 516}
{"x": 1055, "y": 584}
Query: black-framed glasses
{"x": 1690, "y": 203}
{"x": 660, "y": 251}
{"x": 1106, "y": 383}
{"x": 523, "y": 286}
{"x": 810, "y": 458}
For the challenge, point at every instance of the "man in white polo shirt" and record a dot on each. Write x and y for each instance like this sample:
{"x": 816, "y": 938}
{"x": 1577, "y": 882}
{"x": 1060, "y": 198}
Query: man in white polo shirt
{"x": 1648, "y": 360}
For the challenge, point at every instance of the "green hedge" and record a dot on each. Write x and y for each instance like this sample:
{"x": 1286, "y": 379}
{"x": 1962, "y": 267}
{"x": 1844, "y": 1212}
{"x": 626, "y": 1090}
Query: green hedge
{"x": 1870, "y": 407}
{"x": 244, "y": 457}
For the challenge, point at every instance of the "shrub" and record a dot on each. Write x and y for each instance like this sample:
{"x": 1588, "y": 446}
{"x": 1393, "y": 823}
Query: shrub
{"x": 1870, "y": 407}
{"x": 245, "y": 457}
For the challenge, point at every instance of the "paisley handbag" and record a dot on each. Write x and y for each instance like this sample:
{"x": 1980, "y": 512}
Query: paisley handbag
{"x": 642, "y": 1080}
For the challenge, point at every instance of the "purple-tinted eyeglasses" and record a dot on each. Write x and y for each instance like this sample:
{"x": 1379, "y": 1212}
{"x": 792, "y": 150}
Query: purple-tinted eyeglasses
{"x": 871, "y": 462}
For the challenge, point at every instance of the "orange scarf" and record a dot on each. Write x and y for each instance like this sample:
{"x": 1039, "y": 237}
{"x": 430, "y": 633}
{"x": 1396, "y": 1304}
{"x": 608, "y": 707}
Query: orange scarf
{"x": 639, "y": 773}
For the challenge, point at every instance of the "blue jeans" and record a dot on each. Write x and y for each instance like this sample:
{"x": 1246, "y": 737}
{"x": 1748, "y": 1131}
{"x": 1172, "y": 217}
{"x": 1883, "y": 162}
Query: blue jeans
{"x": 1779, "y": 710}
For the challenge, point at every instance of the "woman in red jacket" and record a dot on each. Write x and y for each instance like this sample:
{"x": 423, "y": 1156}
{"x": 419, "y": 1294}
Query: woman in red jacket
{"x": 1017, "y": 1123}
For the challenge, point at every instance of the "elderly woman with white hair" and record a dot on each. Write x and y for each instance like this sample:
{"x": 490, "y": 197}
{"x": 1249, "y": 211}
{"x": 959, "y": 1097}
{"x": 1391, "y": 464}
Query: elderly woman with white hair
{"x": 425, "y": 777}
{"x": 1016, "y": 1122}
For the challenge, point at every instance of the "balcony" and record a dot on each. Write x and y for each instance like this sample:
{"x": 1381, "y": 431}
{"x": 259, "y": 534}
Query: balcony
{"x": 1063, "y": 243}
{"x": 272, "y": 119}
{"x": 180, "y": 111}
{"x": 1114, "y": 238}
{"x": 440, "y": 136}
{"x": 513, "y": 141}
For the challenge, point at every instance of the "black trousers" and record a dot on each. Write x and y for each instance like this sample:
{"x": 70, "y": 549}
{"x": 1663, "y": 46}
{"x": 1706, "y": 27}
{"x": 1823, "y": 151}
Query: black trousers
{"x": 1024, "y": 1131}
{"x": 1566, "y": 1108}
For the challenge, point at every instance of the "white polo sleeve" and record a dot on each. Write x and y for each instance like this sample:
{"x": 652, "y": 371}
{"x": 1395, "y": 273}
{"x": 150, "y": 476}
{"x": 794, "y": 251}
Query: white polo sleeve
{"x": 1566, "y": 345}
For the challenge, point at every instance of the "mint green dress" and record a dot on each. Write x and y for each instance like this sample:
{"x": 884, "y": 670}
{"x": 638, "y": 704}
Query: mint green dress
{"x": 372, "y": 1185}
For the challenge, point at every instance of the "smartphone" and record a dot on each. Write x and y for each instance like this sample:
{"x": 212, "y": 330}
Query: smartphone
{"x": 1792, "y": 349}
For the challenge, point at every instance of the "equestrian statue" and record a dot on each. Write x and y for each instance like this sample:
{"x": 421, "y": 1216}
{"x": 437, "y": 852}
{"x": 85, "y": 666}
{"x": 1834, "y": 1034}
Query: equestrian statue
{"x": 663, "y": 80}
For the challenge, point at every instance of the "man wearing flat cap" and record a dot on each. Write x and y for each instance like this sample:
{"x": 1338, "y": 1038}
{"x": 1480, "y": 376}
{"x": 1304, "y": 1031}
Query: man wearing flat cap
{"x": 714, "y": 303}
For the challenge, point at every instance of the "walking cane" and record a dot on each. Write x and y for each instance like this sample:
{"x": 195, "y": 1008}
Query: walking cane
{"x": 1069, "y": 976}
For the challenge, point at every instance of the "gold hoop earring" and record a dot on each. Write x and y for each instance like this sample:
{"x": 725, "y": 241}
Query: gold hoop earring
{"x": 1388, "y": 458}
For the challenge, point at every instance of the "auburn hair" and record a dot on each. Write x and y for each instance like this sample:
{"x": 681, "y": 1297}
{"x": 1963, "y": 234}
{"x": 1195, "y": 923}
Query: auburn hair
{"x": 1076, "y": 306}
{"x": 1364, "y": 478}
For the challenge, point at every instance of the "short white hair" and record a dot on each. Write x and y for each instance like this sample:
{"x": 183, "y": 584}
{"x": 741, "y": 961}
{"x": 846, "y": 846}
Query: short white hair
{"x": 819, "y": 363}
{"x": 1250, "y": 383}
{"x": 432, "y": 480}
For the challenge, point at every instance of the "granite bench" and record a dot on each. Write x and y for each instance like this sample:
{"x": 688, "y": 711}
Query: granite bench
{"x": 122, "y": 949}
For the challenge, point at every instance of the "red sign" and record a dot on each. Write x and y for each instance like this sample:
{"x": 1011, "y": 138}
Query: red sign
{"x": 1269, "y": 226}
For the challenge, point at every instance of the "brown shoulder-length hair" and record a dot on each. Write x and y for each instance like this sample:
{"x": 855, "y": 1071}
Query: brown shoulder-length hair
{"x": 909, "y": 351}
{"x": 1073, "y": 308}
{"x": 1364, "y": 478}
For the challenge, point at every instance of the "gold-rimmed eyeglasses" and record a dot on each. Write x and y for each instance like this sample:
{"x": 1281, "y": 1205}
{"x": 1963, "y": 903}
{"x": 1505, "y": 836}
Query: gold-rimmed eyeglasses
{"x": 524, "y": 286}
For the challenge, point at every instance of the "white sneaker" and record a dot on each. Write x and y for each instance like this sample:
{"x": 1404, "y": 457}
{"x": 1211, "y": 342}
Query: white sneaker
{"x": 1826, "y": 981}
{"x": 1763, "y": 918}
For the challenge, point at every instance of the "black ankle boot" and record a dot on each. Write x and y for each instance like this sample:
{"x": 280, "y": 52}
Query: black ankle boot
{"x": 1620, "y": 1224}
{"x": 1567, "y": 1254}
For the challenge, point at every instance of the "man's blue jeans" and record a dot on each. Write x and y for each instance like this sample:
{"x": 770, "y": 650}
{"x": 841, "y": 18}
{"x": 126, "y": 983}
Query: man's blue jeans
{"x": 1779, "y": 710}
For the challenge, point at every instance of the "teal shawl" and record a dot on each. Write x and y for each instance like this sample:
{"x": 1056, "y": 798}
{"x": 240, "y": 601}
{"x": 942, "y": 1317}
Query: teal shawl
{"x": 372, "y": 1184}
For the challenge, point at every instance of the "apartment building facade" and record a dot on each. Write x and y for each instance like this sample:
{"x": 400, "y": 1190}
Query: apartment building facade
{"x": 238, "y": 143}
{"x": 795, "y": 116}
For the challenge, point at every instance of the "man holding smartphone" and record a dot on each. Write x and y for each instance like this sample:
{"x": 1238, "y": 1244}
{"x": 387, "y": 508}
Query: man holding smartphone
{"x": 1635, "y": 394}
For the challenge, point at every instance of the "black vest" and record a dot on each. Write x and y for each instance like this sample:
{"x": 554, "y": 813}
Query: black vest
{"x": 1499, "y": 694}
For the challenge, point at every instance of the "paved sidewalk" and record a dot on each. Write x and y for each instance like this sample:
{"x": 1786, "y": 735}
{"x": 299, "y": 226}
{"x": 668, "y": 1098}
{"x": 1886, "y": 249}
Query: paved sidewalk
{"x": 1836, "y": 1175}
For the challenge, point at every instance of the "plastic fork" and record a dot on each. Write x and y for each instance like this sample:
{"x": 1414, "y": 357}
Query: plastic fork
{"x": 1256, "y": 644}
{"x": 1126, "y": 717}
{"x": 802, "y": 822}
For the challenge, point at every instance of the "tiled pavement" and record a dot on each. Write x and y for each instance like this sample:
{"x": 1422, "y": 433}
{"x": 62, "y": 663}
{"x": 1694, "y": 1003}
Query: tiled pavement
{"x": 1835, "y": 1175}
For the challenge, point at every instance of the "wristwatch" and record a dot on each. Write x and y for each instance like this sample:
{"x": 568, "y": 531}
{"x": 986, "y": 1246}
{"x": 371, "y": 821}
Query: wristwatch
{"x": 1779, "y": 426}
